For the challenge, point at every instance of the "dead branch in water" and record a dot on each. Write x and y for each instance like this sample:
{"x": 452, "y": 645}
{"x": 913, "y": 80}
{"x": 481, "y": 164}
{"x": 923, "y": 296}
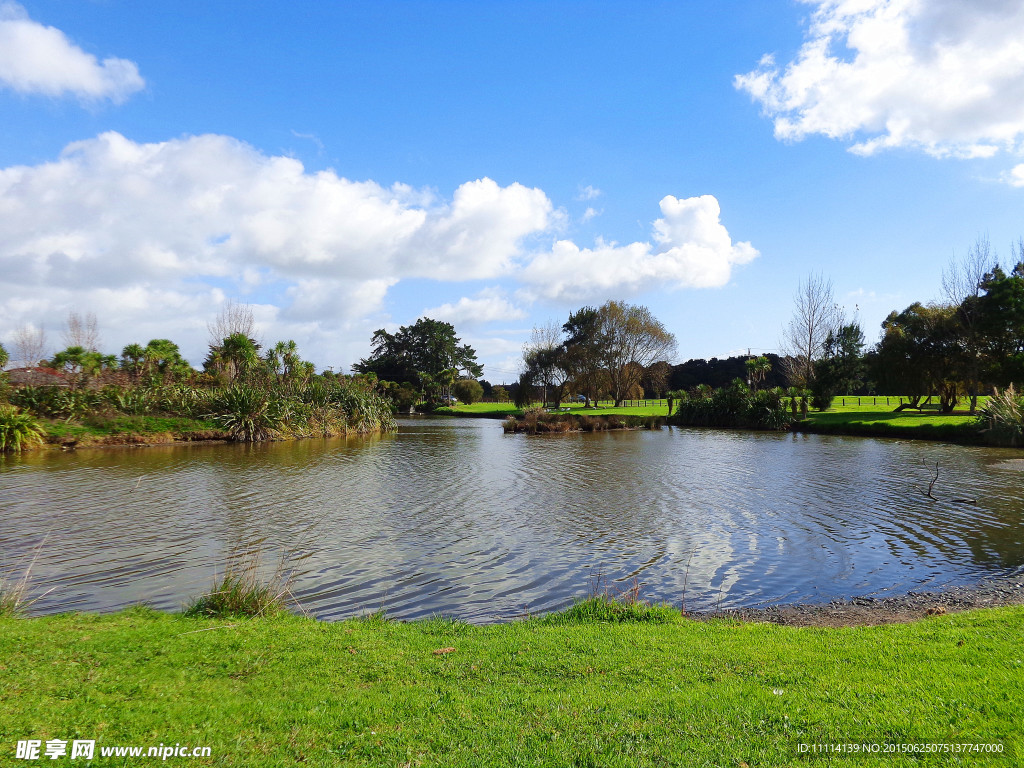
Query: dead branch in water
{"x": 931, "y": 485}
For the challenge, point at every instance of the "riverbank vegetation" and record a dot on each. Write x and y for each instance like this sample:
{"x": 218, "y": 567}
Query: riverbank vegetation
{"x": 562, "y": 690}
{"x": 150, "y": 393}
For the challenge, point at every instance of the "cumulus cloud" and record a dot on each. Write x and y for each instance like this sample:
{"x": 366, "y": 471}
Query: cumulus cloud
{"x": 942, "y": 76}
{"x": 490, "y": 305}
{"x": 1015, "y": 176}
{"x": 690, "y": 249}
{"x": 38, "y": 59}
{"x": 164, "y": 223}
{"x": 155, "y": 237}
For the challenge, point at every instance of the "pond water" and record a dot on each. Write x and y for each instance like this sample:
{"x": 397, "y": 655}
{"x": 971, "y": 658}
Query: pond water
{"x": 453, "y": 517}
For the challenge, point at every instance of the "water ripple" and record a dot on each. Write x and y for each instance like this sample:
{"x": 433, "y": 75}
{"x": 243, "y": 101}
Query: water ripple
{"x": 455, "y": 517}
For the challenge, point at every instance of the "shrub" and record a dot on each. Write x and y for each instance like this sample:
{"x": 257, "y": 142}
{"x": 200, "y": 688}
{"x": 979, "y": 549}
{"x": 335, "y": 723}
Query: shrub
{"x": 248, "y": 414}
{"x": 468, "y": 390}
{"x": 1003, "y": 418}
{"x": 18, "y": 430}
{"x": 735, "y": 406}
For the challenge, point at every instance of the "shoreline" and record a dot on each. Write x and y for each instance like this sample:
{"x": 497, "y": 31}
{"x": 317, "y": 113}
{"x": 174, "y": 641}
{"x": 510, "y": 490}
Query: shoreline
{"x": 1002, "y": 591}
{"x": 865, "y": 611}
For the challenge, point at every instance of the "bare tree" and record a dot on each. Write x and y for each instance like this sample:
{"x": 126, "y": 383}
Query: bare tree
{"x": 815, "y": 316}
{"x": 544, "y": 361}
{"x": 633, "y": 339}
{"x": 232, "y": 318}
{"x": 82, "y": 331}
{"x": 962, "y": 278}
{"x": 29, "y": 345}
{"x": 961, "y": 284}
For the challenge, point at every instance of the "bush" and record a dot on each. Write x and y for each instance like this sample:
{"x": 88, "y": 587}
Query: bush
{"x": 1003, "y": 418}
{"x": 468, "y": 390}
{"x": 735, "y": 406}
{"x": 18, "y": 430}
{"x": 248, "y": 414}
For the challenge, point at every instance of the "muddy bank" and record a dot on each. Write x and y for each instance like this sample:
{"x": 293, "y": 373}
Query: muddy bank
{"x": 870, "y": 611}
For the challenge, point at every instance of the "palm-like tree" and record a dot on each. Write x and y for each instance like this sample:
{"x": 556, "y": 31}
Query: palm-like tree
{"x": 131, "y": 359}
{"x": 241, "y": 356}
{"x": 758, "y": 369}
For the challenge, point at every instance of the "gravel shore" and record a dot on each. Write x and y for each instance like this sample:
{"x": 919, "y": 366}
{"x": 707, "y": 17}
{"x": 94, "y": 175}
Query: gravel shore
{"x": 868, "y": 611}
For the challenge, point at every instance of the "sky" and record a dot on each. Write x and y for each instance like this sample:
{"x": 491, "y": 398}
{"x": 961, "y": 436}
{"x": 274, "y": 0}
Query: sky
{"x": 348, "y": 166}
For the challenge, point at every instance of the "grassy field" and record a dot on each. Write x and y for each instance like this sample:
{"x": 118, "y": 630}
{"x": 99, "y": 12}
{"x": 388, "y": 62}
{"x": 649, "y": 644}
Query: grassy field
{"x": 129, "y": 429}
{"x": 554, "y": 692}
{"x": 868, "y": 418}
{"x": 502, "y": 410}
{"x": 850, "y": 415}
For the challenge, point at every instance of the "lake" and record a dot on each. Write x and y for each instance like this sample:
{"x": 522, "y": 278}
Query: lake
{"x": 453, "y": 517}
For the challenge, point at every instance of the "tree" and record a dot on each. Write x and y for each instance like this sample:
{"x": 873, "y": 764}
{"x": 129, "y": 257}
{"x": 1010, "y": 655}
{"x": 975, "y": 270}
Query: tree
{"x": 655, "y": 378}
{"x": 162, "y": 359}
{"x": 285, "y": 365}
{"x": 758, "y": 369}
{"x": 1001, "y": 322}
{"x": 80, "y": 363}
{"x": 632, "y": 340}
{"x": 236, "y": 357}
{"x": 544, "y": 363}
{"x": 962, "y": 283}
{"x": 4, "y": 357}
{"x": 29, "y": 345}
{"x": 468, "y": 391}
{"x": 920, "y": 354}
{"x": 421, "y": 354}
{"x": 132, "y": 357}
{"x": 841, "y": 369}
{"x": 233, "y": 318}
{"x": 82, "y": 331}
{"x": 815, "y": 316}
{"x": 584, "y": 347}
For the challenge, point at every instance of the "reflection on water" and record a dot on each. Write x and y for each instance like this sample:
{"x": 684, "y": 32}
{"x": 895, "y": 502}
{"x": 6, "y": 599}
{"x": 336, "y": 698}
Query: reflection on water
{"x": 452, "y": 516}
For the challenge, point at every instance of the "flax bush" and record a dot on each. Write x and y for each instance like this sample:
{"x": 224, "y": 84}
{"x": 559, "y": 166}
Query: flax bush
{"x": 1002, "y": 418}
{"x": 18, "y": 430}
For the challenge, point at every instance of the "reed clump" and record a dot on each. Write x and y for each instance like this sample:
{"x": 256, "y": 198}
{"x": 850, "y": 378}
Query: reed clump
{"x": 1003, "y": 418}
{"x": 615, "y": 606}
{"x": 243, "y": 592}
{"x": 538, "y": 422}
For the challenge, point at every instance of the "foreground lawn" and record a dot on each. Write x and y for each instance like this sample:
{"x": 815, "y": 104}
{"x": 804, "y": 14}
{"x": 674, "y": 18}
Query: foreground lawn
{"x": 291, "y": 691}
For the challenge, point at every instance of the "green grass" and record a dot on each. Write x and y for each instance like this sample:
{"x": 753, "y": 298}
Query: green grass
{"x": 292, "y": 691}
{"x": 877, "y": 420}
{"x": 99, "y": 430}
{"x": 502, "y": 410}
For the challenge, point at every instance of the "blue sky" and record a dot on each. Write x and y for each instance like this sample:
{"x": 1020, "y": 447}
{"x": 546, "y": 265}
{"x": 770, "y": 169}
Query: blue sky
{"x": 349, "y": 166}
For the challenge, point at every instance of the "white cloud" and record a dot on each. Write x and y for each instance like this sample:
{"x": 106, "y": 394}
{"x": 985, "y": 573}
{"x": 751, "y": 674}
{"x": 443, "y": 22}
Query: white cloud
{"x": 1015, "y": 176}
{"x": 943, "y": 76}
{"x": 490, "y": 305}
{"x": 691, "y": 248}
{"x": 166, "y": 223}
{"x": 588, "y": 214}
{"x": 39, "y": 59}
{"x": 588, "y": 193}
{"x": 155, "y": 237}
